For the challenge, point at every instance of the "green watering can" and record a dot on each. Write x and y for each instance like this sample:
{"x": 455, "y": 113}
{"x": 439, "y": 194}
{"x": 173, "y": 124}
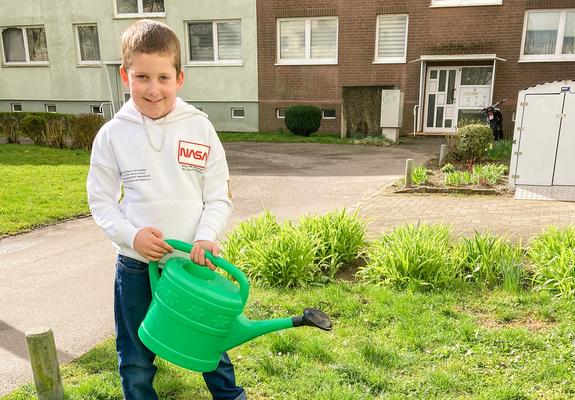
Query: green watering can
{"x": 196, "y": 313}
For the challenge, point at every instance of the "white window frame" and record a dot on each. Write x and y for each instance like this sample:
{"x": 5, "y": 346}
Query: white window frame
{"x": 216, "y": 60}
{"x": 242, "y": 109}
{"x": 307, "y": 60}
{"x": 331, "y": 109}
{"x": 14, "y": 105}
{"x": 47, "y": 107}
{"x": 26, "y": 50}
{"x": 79, "y": 48}
{"x": 391, "y": 60}
{"x": 99, "y": 106}
{"x": 557, "y": 56}
{"x": 140, "y": 12}
{"x": 278, "y": 113}
{"x": 465, "y": 3}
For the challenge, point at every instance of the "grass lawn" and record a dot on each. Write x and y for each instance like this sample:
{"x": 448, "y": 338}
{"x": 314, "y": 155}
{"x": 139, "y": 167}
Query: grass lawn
{"x": 40, "y": 185}
{"x": 385, "y": 344}
{"x": 276, "y": 137}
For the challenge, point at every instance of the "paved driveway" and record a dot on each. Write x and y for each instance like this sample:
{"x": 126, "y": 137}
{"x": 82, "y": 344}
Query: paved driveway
{"x": 62, "y": 276}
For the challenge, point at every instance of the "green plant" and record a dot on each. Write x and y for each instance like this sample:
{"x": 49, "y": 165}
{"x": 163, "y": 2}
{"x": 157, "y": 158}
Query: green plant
{"x": 501, "y": 150}
{"x": 56, "y": 133}
{"x": 9, "y": 126}
{"x": 34, "y": 126}
{"x": 247, "y": 234}
{"x": 489, "y": 174}
{"x": 491, "y": 261}
{"x": 419, "y": 175}
{"x": 83, "y": 130}
{"x": 472, "y": 143}
{"x": 303, "y": 119}
{"x": 552, "y": 255}
{"x": 417, "y": 256}
{"x": 285, "y": 259}
{"x": 458, "y": 178}
{"x": 341, "y": 238}
{"x": 448, "y": 168}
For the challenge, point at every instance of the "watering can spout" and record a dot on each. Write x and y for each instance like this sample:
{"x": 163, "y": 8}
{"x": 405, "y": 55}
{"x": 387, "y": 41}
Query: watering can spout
{"x": 244, "y": 329}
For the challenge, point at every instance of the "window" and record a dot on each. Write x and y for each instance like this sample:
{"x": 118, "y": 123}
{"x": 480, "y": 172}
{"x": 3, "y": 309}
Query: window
{"x": 88, "y": 44}
{"x": 97, "y": 110}
{"x": 25, "y": 45}
{"x": 549, "y": 36}
{"x": 16, "y": 107}
{"x": 280, "y": 112}
{"x": 215, "y": 42}
{"x": 307, "y": 41}
{"x": 455, "y": 3}
{"x": 51, "y": 108}
{"x": 391, "y": 40}
{"x": 136, "y": 8}
{"x": 238, "y": 112}
{"x": 328, "y": 114}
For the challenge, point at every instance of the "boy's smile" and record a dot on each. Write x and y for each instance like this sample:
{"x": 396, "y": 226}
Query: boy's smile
{"x": 153, "y": 83}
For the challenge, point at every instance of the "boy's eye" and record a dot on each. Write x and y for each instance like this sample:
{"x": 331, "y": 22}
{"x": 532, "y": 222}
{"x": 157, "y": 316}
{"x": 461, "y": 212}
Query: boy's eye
{"x": 141, "y": 76}
{"x": 164, "y": 78}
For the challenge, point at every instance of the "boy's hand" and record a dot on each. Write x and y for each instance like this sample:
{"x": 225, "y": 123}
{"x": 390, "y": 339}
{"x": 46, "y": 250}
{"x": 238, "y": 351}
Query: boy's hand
{"x": 197, "y": 254}
{"x": 149, "y": 244}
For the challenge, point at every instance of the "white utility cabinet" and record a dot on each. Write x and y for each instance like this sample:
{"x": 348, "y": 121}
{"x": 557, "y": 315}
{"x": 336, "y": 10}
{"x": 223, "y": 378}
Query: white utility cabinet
{"x": 391, "y": 113}
{"x": 543, "y": 154}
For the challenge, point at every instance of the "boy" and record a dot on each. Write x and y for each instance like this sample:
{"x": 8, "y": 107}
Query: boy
{"x": 173, "y": 169}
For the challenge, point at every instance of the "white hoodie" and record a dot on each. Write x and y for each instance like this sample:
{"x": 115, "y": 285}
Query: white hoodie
{"x": 181, "y": 190}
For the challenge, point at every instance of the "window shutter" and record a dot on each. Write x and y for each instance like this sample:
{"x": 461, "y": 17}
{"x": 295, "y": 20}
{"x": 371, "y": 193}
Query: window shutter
{"x": 292, "y": 40}
{"x": 392, "y": 32}
{"x": 201, "y": 42}
{"x": 229, "y": 40}
{"x": 324, "y": 38}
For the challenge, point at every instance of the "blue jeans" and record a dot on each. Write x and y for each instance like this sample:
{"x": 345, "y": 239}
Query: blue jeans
{"x": 132, "y": 297}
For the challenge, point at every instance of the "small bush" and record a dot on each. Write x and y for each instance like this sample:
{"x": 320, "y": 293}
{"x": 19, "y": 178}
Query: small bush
{"x": 501, "y": 151}
{"x": 448, "y": 168}
{"x": 552, "y": 255}
{"x": 56, "y": 133}
{"x": 83, "y": 130}
{"x": 412, "y": 256}
{"x": 341, "y": 238}
{"x": 303, "y": 120}
{"x": 472, "y": 143}
{"x": 491, "y": 261}
{"x": 9, "y": 126}
{"x": 488, "y": 174}
{"x": 34, "y": 126}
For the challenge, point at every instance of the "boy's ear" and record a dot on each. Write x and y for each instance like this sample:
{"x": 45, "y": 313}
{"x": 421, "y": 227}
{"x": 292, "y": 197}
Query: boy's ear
{"x": 124, "y": 75}
{"x": 180, "y": 80}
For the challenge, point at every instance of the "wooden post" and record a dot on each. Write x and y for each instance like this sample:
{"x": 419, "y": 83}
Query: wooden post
{"x": 442, "y": 155}
{"x": 408, "y": 172}
{"x": 44, "y": 360}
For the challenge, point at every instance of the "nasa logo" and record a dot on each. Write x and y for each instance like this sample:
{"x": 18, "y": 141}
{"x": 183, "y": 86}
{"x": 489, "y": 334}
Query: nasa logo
{"x": 193, "y": 154}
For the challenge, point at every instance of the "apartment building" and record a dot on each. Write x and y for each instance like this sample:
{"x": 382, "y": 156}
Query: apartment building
{"x": 449, "y": 58}
{"x": 64, "y": 55}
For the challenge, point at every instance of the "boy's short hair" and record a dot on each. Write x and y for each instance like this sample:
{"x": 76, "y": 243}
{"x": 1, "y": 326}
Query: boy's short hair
{"x": 148, "y": 37}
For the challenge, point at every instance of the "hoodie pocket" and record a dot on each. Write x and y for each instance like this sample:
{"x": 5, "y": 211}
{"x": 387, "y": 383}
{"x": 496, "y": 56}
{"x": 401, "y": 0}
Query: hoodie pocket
{"x": 175, "y": 219}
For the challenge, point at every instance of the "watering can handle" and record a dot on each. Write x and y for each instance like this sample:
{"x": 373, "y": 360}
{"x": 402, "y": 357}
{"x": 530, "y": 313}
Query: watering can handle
{"x": 217, "y": 261}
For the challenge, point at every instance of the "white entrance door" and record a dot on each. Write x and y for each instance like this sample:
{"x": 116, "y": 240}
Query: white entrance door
{"x": 441, "y": 100}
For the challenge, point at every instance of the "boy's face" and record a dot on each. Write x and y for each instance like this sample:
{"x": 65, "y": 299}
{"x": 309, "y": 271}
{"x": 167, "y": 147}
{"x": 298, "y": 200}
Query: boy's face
{"x": 153, "y": 83}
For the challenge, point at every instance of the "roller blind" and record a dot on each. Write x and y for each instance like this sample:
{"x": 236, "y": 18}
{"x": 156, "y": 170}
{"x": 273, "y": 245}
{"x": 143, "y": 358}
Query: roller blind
{"x": 229, "y": 40}
{"x": 292, "y": 39}
{"x": 323, "y": 38}
{"x": 391, "y": 36}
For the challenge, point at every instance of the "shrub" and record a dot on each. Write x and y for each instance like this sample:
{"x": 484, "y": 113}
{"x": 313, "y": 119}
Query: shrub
{"x": 472, "y": 143}
{"x": 412, "y": 256}
{"x": 552, "y": 255}
{"x": 491, "y": 261}
{"x": 488, "y": 174}
{"x": 303, "y": 120}
{"x": 501, "y": 151}
{"x": 448, "y": 168}
{"x": 83, "y": 130}
{"x": 56, "y": 133}
{"x": 341, "y": 238}
{"x": 9, "y": 126}
{"x": 34, "y": 126}
{"x": 285, "y": 259}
